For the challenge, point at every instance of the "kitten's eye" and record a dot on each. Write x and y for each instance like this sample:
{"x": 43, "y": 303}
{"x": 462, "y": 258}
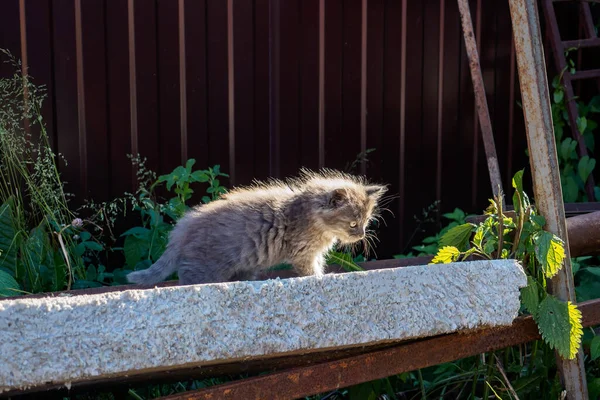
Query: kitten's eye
{"x": 353, "y": 224}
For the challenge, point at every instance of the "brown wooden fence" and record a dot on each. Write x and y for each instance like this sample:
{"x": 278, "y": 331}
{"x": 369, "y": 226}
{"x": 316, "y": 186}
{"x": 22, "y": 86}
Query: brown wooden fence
{"x": 263, "y": 87}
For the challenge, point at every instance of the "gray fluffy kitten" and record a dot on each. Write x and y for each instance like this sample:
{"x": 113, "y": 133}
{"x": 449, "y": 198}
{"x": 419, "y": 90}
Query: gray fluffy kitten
{"x": 251, "y": 229}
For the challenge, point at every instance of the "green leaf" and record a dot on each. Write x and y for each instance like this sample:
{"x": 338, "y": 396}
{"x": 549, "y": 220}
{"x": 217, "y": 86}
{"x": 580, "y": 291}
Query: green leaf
{"x": 595, "y": 104}
{"x": 59, "y": 278}
{"x": 457, "y": 215}
{"x": 585, "y": 167}
{"x": 550, "y": 252}
{"x": 581, "y": 124}
{"x": 200, "y": 176}
{"x": 588, "y": 137}
{"x": 458, "y": 236}
{"x": 446, "y": 255}
{"x": 189, "y": 164}
{"x": 344, "y": 260}
{"x": 567, "y": 147}
{"x": 520, "y": 199}
{"x": 9, "y": 243}
{"x": 570, "y": 189}
{"x": 134, "y": 249}
{"x": 138, "y": 231}
{"x": 595, "y": 347}
{"x": 94, "y": 246}
{"x": 558, "y": 96}
{"x": 91, "y": 274}
{"x": 531, "y": 296}
{"x": 85, "y": 235}
{"x": 594, "y": 388}
{"x": 8, "y": 285}
{"x": 559, "y": 323}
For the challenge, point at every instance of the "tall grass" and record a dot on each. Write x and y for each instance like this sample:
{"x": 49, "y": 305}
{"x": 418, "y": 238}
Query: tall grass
{"x": 35, "y": 217}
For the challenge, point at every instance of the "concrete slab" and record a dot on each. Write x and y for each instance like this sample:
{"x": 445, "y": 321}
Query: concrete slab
{"x": 68, "y": 339}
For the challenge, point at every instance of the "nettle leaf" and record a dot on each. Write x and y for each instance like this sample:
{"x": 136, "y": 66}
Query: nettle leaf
{"x": 520, "y": 199}
{"x": 134, "y": 249}
{"x": 559, "y": 323}
{"x": 550, "y": 252}
{"x": 8, "y": 285}
{"x": 446, "y": 255}
{"x": 458, "y": 236}
{"x": 479, "y": 235}
{"x": 531, "y": 296}
{"x": 595, "y": 347}
{"x": 456, "y": 215}
{"x": 138, "y": 231}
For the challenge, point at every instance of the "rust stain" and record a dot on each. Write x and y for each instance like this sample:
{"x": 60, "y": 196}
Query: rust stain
{"x": 294, "y": 378}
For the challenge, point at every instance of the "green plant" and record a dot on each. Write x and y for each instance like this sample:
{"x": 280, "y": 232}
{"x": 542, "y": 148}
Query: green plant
{"x": 574, "y": 170}
{"x": 145, "y": 244}
{"x": 541, "y": 253}
{"x": 38, "y": 246}
{"x": 430, "y": 244}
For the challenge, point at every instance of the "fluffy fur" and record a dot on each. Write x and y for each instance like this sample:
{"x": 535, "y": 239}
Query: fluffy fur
{"x": 250, "y": 229}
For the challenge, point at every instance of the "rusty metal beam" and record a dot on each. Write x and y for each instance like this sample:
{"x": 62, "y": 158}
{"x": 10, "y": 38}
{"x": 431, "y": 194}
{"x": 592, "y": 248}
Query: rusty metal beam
{"x": 583, "y": 231}
{"x": 480, "y": 99}
{"x": 324, "y": 377}
{"x": 544, "y": 162}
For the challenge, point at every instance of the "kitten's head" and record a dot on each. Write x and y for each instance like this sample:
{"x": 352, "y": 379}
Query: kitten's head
{"x": 349, "y": 209}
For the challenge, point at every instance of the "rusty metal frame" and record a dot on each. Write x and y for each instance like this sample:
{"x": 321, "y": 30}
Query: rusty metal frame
{"x": 558, "y": 48}
{"x": 480, "y": 99}
{"x": 544, "y": 162}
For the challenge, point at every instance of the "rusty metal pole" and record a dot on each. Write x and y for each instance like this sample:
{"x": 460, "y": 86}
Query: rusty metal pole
{"x": 544, "y": 162}
{"x": 480, "y": 100}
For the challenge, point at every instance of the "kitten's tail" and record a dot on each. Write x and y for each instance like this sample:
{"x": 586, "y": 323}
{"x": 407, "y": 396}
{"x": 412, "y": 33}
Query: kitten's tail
{"x": 158, "y": 272}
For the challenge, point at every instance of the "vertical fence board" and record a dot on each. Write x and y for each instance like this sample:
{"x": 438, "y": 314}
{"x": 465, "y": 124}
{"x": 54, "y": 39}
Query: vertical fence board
{"x": 169, "y": 116}
{"x": 39, "y": 55}
{"x": 95, "y": 98}
{"x": 218, "y": 142}
{"x": 118, "y": 91}
{"x": 243, "y": 45}
{"x": 10, "y": 33}
{"x": 455, "y": 158}
{"x": 261, "y": 89}
{"x": 334, "y": 155}
{"x": 196, "y": 84}
{"x": 375, "y": 83}
{"x": 146, "y": 81}
{"x": 65, "y": 73}
{"x": 309, "y": 83}
{"x": 389, "y": 153}
{"x": 350, "y": 132}
{"x": 289, "y": 88}
{"x": 417, "y": 180}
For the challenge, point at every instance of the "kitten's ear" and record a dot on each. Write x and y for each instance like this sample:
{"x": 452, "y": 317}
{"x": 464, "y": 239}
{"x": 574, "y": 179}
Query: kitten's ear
{"x": 375, "y": 191}
{"x": 337, "y": 197}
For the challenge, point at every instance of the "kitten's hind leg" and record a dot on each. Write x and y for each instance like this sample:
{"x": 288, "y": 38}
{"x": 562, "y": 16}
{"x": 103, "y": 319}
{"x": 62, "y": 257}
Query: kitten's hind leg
{"x": 193, "y": 274}
{"x": 244, "y": 276}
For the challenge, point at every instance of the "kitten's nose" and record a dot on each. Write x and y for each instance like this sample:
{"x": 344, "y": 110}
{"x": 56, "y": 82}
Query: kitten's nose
{"x": 361, "y": 232}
